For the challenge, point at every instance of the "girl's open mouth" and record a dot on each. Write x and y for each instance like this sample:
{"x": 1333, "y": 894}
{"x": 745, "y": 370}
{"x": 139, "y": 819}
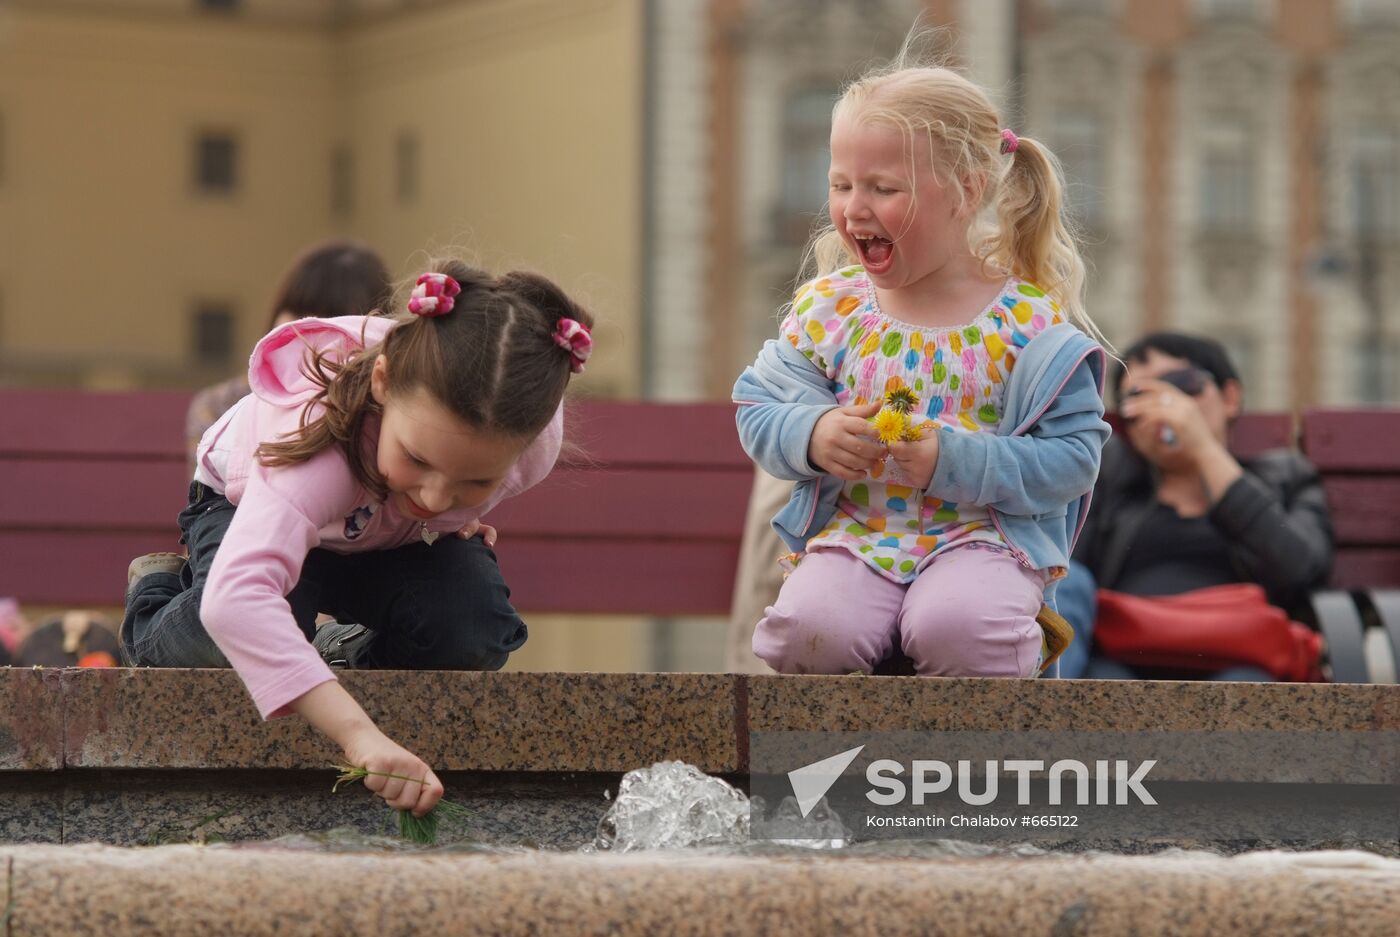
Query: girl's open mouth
{"x": 876, "y": 253}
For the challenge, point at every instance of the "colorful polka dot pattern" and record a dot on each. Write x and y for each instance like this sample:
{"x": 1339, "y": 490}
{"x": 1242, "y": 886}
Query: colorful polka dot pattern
{"x": 959, "y": 377}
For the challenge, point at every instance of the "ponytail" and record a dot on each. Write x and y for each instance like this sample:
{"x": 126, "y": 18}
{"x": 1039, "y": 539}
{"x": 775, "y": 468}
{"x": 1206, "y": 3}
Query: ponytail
{"x": 1032, "y": 237}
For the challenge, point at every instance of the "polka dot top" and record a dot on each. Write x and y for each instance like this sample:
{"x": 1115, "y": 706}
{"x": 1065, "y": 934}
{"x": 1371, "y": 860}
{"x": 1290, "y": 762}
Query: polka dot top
{"x": 958, "y": 374}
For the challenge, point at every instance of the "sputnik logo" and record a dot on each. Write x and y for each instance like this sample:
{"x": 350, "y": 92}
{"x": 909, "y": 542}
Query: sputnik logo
{"x": 811, "y": 782}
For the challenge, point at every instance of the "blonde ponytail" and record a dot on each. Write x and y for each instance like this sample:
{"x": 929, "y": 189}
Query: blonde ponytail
{"x": 1031, "y": 235}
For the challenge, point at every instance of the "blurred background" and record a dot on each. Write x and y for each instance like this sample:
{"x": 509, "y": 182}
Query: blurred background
{"x": 1234, "y": 166}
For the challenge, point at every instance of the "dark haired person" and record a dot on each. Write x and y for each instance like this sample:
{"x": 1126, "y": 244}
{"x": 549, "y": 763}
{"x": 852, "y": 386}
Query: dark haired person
{"x": 329, "y": 279}
{"x": 1174, "y": 511}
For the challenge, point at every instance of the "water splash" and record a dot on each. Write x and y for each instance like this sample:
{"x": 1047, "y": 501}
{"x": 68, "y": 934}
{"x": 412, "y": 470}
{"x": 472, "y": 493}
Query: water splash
{"x": 820, "y": 829}
{"x": 673, "y": 805}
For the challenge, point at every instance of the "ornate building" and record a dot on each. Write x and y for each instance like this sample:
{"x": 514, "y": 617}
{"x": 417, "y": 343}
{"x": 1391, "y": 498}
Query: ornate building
{"x": 1234, "y": 167}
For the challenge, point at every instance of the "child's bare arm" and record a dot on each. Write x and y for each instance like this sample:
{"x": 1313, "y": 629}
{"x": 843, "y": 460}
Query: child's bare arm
{"x": 334, "y": 712}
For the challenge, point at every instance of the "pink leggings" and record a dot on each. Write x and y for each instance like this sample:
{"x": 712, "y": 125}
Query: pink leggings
{"x": 970, "y": 613}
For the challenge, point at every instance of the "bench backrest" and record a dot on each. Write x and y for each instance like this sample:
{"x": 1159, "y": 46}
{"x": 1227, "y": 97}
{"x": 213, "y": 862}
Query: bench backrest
{"x": 647, "y": 519}
{"x": 1358, "y": 454}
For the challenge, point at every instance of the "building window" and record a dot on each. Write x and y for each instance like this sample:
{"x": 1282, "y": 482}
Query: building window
{"x": 1077, "y": 138}
{"x": 216, "y": 162}
{"x": 1228, "y": 9}
{"x": 1375, "y": 186}
{"x": 1078, "y": 6}
{"x": 406, "y": 166}
{"x": 1372, "y": 12}
{"x": 806, "y": 155}
{"x": 211, "y": 336}
{"x": 1375, "y": 381}
{"x": 342, "y": 182}
{"x": 1227, "y": 175}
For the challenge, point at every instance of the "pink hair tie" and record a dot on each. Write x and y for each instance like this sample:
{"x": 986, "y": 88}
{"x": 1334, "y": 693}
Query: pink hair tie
{"x": 574, "y": 336}
{"x": 433, "y": 295}
{"x": 1009, "y": 141}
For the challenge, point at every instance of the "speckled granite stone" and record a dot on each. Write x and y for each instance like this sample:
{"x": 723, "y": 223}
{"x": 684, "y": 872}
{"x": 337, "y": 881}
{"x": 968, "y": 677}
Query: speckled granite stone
{"x": 108, "y": 892}
{"x": 31, "y": 719}
{"x": 31, "y": 808}
{"x": 886, "y": 704}
{"x": 149, "y": 718}
{"x": 143, "y": 808}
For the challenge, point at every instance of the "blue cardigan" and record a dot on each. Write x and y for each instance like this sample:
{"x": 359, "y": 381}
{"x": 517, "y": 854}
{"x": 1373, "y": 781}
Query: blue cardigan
{"x": 1034, "y": 474}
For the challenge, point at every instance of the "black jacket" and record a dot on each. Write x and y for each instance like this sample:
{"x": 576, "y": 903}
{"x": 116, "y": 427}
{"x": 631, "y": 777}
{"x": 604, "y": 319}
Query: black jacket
{"x": 1274, "y": 518}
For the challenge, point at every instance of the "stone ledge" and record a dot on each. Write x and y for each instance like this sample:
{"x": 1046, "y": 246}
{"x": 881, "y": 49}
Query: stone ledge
{"x": 561, "y": 722}
{"x": 31, "y": 720}
{"x": 890, "y": 704}
{"x": 556, "y": 722}
{"x": 107, "y": 891}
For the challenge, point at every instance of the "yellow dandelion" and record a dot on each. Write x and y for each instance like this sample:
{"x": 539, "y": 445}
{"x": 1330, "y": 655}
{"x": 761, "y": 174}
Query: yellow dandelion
{"x": 901, "y": 400}
{"x": 891, "y": 425}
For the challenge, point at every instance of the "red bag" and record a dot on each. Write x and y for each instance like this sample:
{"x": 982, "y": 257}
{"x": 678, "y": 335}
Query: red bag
{"x": 1207, "y": 629}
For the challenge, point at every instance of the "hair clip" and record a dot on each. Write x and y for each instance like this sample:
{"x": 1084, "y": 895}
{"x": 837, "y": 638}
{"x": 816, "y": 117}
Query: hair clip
{"x": 433, "y": 295}
{"x": 574, "y": 337}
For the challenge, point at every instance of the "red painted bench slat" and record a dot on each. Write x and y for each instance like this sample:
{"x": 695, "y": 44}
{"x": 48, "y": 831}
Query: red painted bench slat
{"x": 598, "y": 576}
{"x": 1254, "y": 433}
{"x": 99, "y": 494}
{"x": 138, "y": 495}
{"x": 641, "y": 503}
{"x": 1365, "y": 509}
{"x": 83, "y": 424}
{"x": 46, "y": 567}
{"x": 635, "y": 433}
{"x": 1366, "y": 568}
{"x": 1353, "y": 440}
{"x": 622, "y": 577}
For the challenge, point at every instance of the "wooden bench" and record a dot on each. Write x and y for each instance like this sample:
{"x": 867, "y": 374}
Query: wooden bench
{"x": 646, "y": 519}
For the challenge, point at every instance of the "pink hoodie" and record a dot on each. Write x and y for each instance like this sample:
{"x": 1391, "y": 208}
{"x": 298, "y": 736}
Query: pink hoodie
{"x": 284, "y": 512}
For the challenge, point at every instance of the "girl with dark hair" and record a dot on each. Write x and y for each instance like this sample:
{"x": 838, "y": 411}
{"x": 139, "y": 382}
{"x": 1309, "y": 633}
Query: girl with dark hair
{"x": 331, "y": 486}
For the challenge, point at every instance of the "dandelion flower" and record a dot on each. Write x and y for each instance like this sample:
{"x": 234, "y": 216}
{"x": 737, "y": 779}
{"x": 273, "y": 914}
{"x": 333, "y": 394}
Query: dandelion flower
{"x": 901, "y": 400}
{"x": 890, "y": 425}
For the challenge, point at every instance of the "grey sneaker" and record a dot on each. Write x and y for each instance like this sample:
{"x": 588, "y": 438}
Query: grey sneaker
{"x": 342, "y": 645}
{"x": 144, "y": 566}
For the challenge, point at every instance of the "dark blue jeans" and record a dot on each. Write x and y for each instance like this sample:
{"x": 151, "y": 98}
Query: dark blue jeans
{"x": 438, "y": 607}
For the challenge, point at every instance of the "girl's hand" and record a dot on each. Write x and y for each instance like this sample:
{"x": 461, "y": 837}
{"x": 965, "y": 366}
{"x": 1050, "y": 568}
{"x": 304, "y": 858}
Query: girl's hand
{"x": 488, "y": 533}
{"x": 844, "y": 443}
{"x": 396, "y": 774}
{"x": 917, "y": 460}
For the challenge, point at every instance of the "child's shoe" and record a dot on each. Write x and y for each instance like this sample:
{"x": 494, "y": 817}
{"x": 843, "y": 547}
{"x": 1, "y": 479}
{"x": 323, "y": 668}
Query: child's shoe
{"x": 1056, "y": 635}
{"x": 342, "y": 645}
{"x": 144, "y": 566}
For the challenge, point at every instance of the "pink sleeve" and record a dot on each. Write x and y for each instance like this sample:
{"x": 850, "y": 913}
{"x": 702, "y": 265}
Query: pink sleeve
{"x": 244, "y": 606}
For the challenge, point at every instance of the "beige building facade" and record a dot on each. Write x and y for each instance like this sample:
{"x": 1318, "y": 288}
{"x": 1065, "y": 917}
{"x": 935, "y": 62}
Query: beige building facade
{"x": 161, "y": 162}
